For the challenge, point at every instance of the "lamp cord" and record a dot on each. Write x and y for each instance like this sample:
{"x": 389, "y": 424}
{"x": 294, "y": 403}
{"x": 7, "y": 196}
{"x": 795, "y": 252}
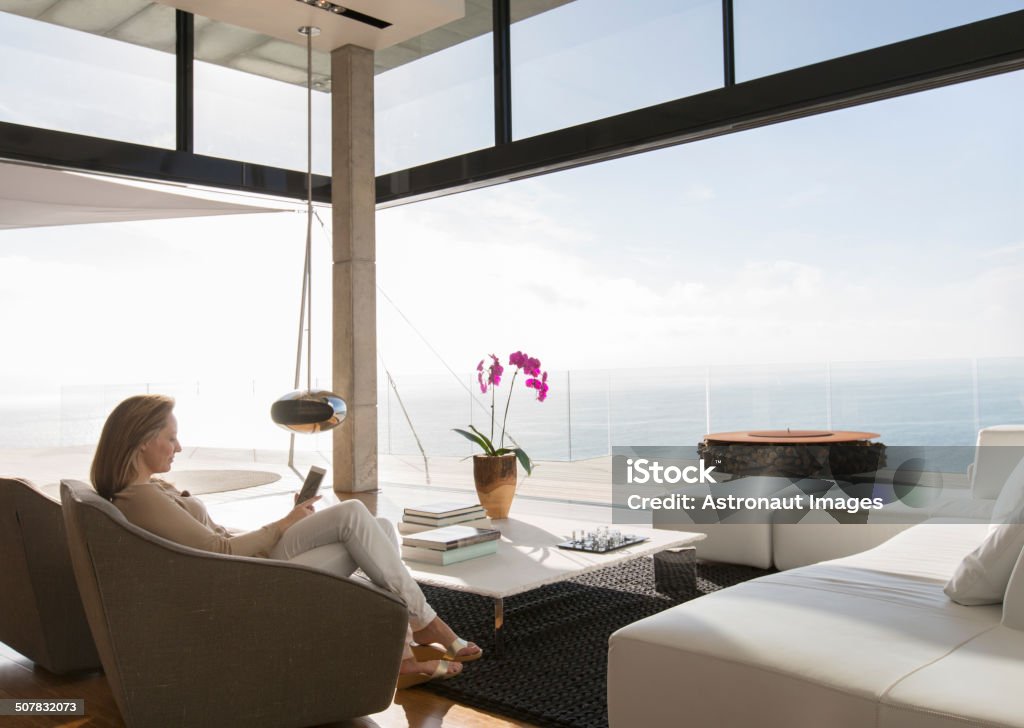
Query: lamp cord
{"x": 306, "y": 299}
{"x": 309, "y": 210}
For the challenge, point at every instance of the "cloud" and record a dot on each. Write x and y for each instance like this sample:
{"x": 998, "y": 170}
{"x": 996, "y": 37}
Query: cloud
{"x": 515, "y": 288}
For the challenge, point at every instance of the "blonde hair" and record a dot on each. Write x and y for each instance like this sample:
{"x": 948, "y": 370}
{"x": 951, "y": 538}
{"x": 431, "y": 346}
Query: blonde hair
{"x": 133, "y": 423}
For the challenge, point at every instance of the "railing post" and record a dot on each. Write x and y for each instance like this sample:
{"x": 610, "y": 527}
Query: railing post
{"x": 707, "y": 398}
{"x": 974, "y": 388}
{"x": 469, "y": 445}
{"x": 828, "y": 394}
{"x": 568, "y": 407}
{"x": 608, "y": 410}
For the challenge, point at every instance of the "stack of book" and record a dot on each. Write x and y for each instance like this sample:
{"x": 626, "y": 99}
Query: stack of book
{"x": 450, "y": 545}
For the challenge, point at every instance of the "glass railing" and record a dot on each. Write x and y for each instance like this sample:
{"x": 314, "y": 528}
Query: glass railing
{"x": 228, "y": 414}
{"x": 909, "y": 403}
{"x": 934, "y": 402}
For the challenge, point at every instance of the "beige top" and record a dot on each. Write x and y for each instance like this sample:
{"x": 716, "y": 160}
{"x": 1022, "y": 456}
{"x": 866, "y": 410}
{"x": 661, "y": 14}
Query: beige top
{"x": 162, "y": 509}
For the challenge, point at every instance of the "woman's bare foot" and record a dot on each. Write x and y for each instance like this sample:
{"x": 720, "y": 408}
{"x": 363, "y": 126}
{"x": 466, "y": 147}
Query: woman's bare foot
{"x": 438, "y": 632}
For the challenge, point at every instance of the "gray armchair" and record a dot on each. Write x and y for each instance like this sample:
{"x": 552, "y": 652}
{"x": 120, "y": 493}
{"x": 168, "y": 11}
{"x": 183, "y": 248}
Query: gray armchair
{"x": 194, "y": 638}
{"x": 40, "y": 613}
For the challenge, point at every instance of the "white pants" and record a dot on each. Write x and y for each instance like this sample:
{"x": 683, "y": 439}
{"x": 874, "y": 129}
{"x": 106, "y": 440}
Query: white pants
{"x": 346, "y": 536}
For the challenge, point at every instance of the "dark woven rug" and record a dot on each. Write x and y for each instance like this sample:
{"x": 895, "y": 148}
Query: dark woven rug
{"x": 553, "y": 670}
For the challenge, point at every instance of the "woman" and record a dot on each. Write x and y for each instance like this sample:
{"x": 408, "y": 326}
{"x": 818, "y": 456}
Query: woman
{"x": 140, "y": 440}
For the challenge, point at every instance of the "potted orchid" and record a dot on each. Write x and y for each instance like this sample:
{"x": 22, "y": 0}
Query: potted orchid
{"x": 494, "y": 471}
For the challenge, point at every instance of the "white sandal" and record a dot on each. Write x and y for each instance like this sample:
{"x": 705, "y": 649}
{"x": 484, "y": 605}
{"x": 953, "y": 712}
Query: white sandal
{"x": 443, "y": 671}
{"x": 459, "y": 644}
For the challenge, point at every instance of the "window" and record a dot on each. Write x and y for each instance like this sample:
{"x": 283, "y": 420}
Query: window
{"x": 57, "y": 78}
{"x": 589, "y": 59}
{"x": 860, "y": 269}
{"x": 203, "y": 309}
{"x": 434, "y": 95}
{"x": 250, "y": 98}
{"x": 778, "y": 35}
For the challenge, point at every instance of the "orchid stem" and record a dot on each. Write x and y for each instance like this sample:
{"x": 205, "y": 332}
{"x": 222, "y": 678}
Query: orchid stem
{"x": 491, "y": 441}
{"x": 511, "y": 386}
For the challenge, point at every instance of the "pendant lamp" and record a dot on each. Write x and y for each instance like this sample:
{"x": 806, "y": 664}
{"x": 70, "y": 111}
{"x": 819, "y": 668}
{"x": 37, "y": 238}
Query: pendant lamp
{"x": 308, "y": 410}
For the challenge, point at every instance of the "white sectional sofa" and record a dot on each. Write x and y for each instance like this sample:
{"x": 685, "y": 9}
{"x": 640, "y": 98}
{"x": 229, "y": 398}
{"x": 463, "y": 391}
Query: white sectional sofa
{"x": 765, "y": 540}
{"x": 771, "y": 540}
{"x": 865, "y": 640}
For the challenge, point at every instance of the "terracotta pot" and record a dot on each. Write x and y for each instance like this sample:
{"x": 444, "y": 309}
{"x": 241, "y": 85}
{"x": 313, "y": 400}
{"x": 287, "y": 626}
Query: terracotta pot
{"x": 495, "y": 478}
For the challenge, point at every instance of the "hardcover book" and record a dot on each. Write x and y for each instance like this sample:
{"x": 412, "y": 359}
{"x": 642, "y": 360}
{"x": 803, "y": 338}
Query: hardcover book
{"x": 451, "y": 537}
{"x": 444, "y": 509}
{"x": 405, "y": 527}
{"x": 447, "y": 520}
{"x": 433, "y": 556}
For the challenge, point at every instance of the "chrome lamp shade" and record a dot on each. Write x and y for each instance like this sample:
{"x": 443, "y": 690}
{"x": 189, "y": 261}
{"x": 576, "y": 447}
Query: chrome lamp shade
{"x": 306, "y": 412}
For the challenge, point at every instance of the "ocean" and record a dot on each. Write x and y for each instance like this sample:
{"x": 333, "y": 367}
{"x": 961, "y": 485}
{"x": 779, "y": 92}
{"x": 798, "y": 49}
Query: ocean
{"x": 910, "y": 403}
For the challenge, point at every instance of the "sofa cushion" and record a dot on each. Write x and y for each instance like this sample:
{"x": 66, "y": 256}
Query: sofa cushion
{"x": 978, "y": 684}
{"x": 803, "y": 645}
{"x": 737, "y": 537}
{"x": 731, "y": 543}
{"x": 930, "y": 551}
{"x": 819, "y": 537}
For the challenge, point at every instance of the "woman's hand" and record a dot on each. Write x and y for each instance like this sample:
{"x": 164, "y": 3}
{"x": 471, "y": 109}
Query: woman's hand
{"x": 300, "y": 511}
{"x": 295, "y": 498}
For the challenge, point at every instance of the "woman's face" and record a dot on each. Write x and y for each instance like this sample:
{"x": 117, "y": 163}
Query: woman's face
{"x": 157, "y": 455}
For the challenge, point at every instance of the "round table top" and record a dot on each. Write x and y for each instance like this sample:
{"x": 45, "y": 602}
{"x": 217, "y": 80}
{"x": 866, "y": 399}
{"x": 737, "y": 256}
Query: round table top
{"x": 788, "y": 437}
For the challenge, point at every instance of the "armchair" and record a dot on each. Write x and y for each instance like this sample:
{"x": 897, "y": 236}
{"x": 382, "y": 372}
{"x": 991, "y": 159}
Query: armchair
{"x": 194, "y": 638}
{"x": 41, "y": 612}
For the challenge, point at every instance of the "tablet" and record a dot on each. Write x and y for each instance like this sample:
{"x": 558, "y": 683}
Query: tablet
{"x": 312, "y": 484}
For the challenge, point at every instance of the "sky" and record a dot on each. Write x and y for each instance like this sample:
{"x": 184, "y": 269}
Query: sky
{"x": 885, "y": 232}
{"x": 888, "y": 231}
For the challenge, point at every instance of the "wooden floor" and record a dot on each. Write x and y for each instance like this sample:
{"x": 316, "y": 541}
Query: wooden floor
{"x": 19, "y": 678}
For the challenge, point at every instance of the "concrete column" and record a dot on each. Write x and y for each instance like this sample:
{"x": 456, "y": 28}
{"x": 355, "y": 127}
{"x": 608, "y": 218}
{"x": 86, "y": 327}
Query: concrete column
{"x": 353, "y": 197}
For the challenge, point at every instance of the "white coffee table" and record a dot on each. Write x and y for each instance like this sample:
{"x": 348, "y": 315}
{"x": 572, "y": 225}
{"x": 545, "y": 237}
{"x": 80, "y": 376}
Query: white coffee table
{"x": 528, "y": 557}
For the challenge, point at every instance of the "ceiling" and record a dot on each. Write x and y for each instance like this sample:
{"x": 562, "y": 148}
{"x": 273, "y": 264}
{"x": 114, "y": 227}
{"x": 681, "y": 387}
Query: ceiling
{"x": 259, "y": 36}
{"x": 403, "y": 19}
{"x": 33, "y": 196}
